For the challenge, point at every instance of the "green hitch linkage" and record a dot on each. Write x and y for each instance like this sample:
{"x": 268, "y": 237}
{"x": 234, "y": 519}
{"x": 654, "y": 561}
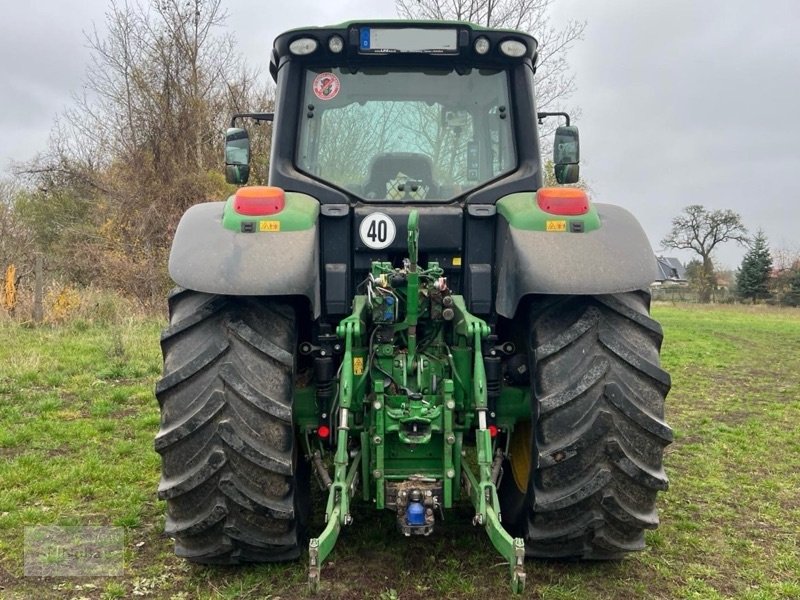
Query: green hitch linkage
{"x": 337, "y": 512}
{"x": 483, "y": 491}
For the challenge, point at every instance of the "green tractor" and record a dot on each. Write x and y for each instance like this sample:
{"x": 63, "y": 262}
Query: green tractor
{"x": 407, "y": 315}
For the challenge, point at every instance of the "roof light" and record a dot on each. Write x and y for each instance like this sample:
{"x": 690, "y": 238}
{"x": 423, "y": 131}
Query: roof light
{"x": 513, "y": 48}
{"x": 335, "y": 44}
{"x": 563, "y": 200}
{"x": 481, "y": 45}
{"x": 303, "y": 46}
{"x": 259, "y": 200}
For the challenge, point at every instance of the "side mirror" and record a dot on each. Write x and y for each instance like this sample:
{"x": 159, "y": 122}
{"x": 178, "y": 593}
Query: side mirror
{"x": 237, "y": 156}
{"x": 566, "y": 155}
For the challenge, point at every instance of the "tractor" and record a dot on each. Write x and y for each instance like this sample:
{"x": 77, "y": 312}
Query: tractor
{"x": 407, "y": 315}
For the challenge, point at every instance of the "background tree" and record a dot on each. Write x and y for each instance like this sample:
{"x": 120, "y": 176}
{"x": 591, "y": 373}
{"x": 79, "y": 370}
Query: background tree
{"x": 555, "y": 82}
{"x": 694, "y": 273}
{"x": 753, "y": 277}
{"x": 701, "y": 231}
{"x": 792, "y": 295}
{"x": 141, "y": 145}
{"x": 17, "y": 246}
{"x": 786, "y": 271}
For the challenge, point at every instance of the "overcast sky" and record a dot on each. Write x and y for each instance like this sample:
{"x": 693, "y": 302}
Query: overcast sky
{"x": 683, "y": 101}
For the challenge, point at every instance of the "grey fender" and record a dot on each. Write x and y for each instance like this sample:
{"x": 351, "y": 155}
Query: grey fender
{"x": 209, "y": 258}
{"x": 615, "y": 258}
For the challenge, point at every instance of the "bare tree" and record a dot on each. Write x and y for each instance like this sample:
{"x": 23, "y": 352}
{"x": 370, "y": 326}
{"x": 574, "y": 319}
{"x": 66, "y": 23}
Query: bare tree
{"x": 701, "y": 231}
{"x": 16, "y": 239}
{"x": 785, "y": 282}
{"x": 143, "y": 141}
{"x": 786, "y": 258}
{"x": 555, "y": 83}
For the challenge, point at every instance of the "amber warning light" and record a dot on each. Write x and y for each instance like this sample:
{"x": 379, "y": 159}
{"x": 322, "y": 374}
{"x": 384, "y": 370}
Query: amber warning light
{"x": 259, "y": 200}
{"x": 563, "y": 201}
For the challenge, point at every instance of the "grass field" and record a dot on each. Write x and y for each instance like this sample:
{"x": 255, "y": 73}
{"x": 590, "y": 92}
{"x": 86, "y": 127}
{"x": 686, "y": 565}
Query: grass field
{"x": 78, "y": 416}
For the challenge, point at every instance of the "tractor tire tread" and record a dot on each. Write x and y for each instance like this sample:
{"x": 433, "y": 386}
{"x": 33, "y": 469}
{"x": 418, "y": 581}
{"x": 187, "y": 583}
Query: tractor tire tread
{"x": 599, "y": 430}
{"x": 227, "y": 439}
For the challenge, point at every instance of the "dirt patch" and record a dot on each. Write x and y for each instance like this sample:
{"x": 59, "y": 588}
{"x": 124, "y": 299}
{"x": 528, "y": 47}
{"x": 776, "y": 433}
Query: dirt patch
{"x": 6, "y": 580}
{"x": 9, "y": 453}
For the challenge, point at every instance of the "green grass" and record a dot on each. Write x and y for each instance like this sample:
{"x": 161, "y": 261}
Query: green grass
{"x": 78, "y": 417}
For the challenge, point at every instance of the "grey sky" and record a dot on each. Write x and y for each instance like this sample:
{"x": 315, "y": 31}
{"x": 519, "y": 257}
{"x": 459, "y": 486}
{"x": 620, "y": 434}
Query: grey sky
{"x": 692, "y": 102}
{"x": 683, "y": 102}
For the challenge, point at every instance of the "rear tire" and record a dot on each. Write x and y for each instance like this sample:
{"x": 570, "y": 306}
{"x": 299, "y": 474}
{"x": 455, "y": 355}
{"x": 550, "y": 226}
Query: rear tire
{"x": 596, "y": 446}
{"x": 234, "y": 488}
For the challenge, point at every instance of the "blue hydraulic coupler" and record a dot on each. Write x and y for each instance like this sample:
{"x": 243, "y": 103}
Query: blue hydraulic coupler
{"x": 388, "y": 314}
{"x": 415, "y": 514}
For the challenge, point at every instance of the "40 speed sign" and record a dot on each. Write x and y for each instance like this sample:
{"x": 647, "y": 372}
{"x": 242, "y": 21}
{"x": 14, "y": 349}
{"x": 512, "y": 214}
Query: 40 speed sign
{"x": 377, "y": 231}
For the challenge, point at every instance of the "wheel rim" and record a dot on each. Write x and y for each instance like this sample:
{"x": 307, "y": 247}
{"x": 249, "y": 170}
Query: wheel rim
{"x": 520, "y": 450}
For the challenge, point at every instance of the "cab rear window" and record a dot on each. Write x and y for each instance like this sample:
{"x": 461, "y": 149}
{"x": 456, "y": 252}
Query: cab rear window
{"x": 406, "y": 135}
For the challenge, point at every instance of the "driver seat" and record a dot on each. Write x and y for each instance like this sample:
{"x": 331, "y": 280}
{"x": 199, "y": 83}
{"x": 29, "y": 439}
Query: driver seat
{"x": 387, "y": 170}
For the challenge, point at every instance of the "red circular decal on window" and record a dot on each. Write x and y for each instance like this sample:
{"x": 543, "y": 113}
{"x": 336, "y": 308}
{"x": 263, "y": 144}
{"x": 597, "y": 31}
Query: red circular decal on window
{"x": 326, "y": 86}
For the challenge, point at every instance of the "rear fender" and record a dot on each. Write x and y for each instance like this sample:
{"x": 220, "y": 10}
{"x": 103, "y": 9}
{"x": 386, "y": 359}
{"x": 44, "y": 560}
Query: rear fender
{"x": 208, "y": 257}
{"x": 615, "y": 257}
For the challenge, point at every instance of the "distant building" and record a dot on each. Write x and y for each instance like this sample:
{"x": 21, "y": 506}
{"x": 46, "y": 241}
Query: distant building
{"x": 724, "y": 280}
{"x": 670, "y": 271}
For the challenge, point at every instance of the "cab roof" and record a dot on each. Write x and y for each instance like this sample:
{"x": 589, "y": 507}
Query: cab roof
{"x": 459, "y": 50}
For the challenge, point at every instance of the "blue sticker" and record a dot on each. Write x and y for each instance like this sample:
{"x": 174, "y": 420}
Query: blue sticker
{"x": 365, "y": 38}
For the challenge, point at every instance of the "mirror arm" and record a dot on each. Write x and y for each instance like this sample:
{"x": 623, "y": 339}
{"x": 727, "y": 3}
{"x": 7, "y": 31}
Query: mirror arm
{"x": 542, "y": 115}
{"x": 259, "y": 117}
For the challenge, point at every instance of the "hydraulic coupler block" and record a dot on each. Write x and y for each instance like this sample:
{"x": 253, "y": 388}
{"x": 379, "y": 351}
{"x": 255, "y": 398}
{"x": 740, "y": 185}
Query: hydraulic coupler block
{"x": 415, "y": 502}
{"x": 384, "y": 308}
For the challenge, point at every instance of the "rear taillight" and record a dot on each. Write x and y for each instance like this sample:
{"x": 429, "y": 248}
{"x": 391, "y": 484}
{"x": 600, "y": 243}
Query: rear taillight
{"x": 259, "y": 200}
{"x": 563, "y": 201}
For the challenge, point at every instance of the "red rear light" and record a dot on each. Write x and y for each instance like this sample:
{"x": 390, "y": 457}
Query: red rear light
{"x": 563, "y": 201}
{"x": 493, "y": 430}
{"x": 259, "y": 200}
{"x": 324, "y": 431}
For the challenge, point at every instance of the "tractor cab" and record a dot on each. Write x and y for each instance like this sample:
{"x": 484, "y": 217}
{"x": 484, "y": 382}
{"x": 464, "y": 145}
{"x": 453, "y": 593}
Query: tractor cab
{"x": 393, "y": 114}
{"x": 375, "y": 119}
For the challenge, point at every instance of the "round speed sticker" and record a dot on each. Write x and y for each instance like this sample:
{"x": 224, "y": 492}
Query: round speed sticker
{"x": 377, "y": 231}
{"x": 326, "y": 86}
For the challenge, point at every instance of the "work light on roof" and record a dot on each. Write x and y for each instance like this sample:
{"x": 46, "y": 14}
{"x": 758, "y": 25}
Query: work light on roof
{"x": 481, "y": 45}
{"x": 303, "y": 46}
{"x": 513, "y": 48}
{"x": 336, "y": 44}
